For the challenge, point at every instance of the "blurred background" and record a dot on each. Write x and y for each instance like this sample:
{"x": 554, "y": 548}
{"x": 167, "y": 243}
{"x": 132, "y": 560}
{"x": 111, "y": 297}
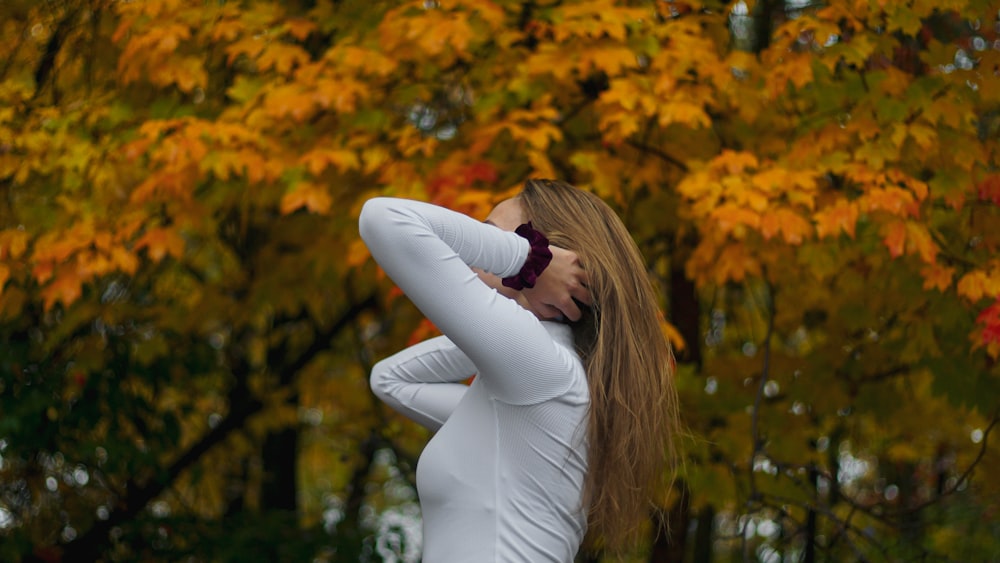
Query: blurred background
{"x": 188, "y": 316}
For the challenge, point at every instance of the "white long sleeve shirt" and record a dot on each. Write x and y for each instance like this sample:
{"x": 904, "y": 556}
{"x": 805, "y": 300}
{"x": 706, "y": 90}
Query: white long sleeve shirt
{"x": 501, "y": 480}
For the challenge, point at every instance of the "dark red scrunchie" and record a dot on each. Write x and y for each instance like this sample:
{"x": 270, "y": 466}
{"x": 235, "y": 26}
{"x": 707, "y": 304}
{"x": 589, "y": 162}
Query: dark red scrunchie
{"x": 538, "y": 259}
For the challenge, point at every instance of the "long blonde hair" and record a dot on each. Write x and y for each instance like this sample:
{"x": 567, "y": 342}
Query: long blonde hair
{"x": 634, "y": 422}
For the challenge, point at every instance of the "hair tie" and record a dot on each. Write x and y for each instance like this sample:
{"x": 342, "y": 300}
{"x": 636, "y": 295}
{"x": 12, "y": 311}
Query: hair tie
{"x": 538, "y": 259}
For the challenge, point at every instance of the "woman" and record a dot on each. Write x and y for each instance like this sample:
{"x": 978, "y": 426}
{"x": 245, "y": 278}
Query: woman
{"x": 568, "y": 426}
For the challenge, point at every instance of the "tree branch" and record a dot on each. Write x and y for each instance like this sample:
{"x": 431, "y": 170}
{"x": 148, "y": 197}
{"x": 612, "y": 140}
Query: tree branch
{"x": 658, "y": 153}
{"x": 89, "y": 546}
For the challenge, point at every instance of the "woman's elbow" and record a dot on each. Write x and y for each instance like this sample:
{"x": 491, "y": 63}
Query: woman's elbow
{"x": 380, "y": 380}
{"x": 373, "y": 214}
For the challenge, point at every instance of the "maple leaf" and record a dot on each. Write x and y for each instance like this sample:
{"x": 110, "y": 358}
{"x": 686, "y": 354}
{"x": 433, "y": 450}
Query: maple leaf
{"x": 894, "y": 238}
{"x": 671, "y": 333}
{"x": 318, "y": 160}
{"x": 793, "y": 227}
{"x": 977, "y": 284}
{"x": 609, "y": 59}
{"x": 308, "y": 195}
{"x": 160, "y": 242}
{"x": 730, "y": 218}
{"x": 989, "y": 189}
{"x": 357, "y": 253}
{"x": 937, "y": 276}
{"x": 282, "y": 57}
{"x": 13, "y": 243}
{"x": 4, "y": 275}
{"x": 892, "y": 199}
{"x": 989, "y": 319}
{"x": 66, "y": 288}
{"x": 300, "y": 28}
{"x": 920, "y": 241}
{"x": 735, "y": 162}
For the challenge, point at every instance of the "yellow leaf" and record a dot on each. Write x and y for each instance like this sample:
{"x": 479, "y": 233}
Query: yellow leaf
{"x": 248, "y": 46}
{"x": 609, "y": 59}
{"x": 226, "y": 29}
{"x": 937, "y": 276}
{"x": 357, "y": 253}
{"x": 282, "y": 57}
{"x": 318, "y": 160}
{"x": 920, "y": 241}
{"x": 373, "y": 158}
{"x": 735, "y": 162}
{"x": 684, "y": 113}
{"x": 13, "y": 242}
{"x": 672, "y": 334}
{"x": 308, "y": 195}
{"x": 978, "y": 284}
{"x": 124, "y": 260}
{"x": 841, "y": 216}
{"x": 924, "y": 136}
{"x": 540, "y": 164}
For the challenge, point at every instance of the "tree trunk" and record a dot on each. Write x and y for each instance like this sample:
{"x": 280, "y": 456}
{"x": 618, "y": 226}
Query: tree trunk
{"x": 704, "y": 534}
{"x": 280, "y": 463}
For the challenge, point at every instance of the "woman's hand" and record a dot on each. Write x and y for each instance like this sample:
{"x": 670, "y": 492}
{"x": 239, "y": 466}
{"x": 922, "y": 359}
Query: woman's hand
{"x": 557, "y": 287}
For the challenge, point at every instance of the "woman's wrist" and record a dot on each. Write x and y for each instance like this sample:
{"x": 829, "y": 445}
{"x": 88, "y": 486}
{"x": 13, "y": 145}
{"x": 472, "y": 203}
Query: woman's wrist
{"x": 539, "y": 257}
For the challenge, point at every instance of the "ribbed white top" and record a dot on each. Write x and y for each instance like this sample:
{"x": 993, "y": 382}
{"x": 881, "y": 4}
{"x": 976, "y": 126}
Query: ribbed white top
{"x": 501, "y": 480}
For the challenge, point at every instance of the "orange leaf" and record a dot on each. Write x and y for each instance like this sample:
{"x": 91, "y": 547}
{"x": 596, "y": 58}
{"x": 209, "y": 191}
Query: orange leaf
{"x": 312, "y": 197}
{"x": 357, "y": 253}
{"x": 731, "y": 217}
{"x": 4, "y": 275}
{"x": 894, "y": 237}
{"x": 937, "y": 277}
{"x": 896, "y": 201}
{"x": 66, "y": 288}
{"x": 13, "y": 242}
{"x": 160, "y": 242}
{"x": 794, "y": 228}
{"x": 841, "y": 216}
{"x": 124, "y": 260}
{"x": 300, "y": 28}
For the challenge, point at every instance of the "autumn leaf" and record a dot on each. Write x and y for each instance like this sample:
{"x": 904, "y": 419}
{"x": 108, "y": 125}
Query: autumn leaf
{"x": 894, "y": 238}
{"x": 308, "y": 195}
{"x": 989, "y": 189}
{"x": 989, "y": 319}
{"x": 979, "y": 284}
{"x": 842, "y": 216}
{"x": 318, "y": 160}
{"x": 4, "y": 275}
{"x": 937, "y": 276}
{"x": 65, "y": 288}
{"x": 159, "y": 242}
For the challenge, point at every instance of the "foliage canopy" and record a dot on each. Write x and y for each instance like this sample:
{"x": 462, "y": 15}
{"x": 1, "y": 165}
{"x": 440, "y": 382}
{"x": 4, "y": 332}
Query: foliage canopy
{"x": 189, "y": 315}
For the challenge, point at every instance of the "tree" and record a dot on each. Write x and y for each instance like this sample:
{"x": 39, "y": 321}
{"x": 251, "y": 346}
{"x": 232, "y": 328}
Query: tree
{"x": 190, "y": 314}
